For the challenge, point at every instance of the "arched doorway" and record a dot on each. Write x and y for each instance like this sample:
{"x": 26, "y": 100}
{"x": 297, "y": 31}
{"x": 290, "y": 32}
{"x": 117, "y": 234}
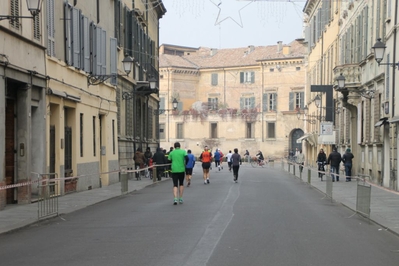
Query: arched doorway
{"x": 296, "y": 134}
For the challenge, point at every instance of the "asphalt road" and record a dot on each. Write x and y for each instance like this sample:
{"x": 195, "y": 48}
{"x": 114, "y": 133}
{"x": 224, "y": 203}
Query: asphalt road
{"x": 267, "y": 218}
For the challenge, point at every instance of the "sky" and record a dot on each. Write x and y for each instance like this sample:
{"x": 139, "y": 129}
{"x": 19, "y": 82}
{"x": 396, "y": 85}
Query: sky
{"x": 231, "y": 23}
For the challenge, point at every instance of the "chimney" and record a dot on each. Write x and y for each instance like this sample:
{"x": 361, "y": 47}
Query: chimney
{"x": 279, "y": 46}
{"x": 214, "y": 51}
{"x": 286, "y": 50}
{"x": 251, "y": 48}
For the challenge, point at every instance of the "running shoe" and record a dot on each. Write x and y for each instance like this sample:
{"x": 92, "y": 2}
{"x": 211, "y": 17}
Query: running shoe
{"x": 175, "y": 201}
{"x": 188, "y": 183}
{"x": 207, "y": 180}
{"x": 181, "y": 200}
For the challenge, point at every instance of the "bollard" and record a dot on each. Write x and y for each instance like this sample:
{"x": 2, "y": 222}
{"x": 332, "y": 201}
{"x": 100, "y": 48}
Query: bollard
{"x": 293, "y": 170}
{"x": 309, "y": 173}
{"x": 154, "y": 174}
{"x": 289, "y": 168}
{"x": 300, "y": 172}
{"x": 124, "y": 181}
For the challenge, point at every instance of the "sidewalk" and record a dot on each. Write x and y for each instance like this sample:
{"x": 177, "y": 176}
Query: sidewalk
{"x": 16, "y": 216}
{"x": 384, "y": 203}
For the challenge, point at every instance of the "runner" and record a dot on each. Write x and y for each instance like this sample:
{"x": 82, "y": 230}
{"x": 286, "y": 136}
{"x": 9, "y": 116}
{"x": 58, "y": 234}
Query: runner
{"x": 221, "y": 158}
{"x": 178, "y": 160}
{"x": 216, "y": 157}
{"x": 190, "y": 163}
{"x": 206, "y": 157}
{"x": 229, "y": 159}
{"x": 236, "y": 162}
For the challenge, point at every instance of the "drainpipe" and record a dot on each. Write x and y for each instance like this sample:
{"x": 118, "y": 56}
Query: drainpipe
{"x": 393, "y": 76}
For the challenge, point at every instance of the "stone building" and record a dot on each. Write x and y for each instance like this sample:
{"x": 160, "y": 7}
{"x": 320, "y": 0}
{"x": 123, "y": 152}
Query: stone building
{"x": 245, "y": 98}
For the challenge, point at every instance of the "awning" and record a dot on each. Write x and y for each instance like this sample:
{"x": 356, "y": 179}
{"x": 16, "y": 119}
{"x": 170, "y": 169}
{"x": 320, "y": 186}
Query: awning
{"x": 327, "y": 139}
{"x": 304, "y": 137}
{"x": 381, "y": 122}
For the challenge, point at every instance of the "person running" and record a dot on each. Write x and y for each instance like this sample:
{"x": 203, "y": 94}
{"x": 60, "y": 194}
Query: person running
{"x": 206, "y": 158}
{"x": 190, "y": 163}
{"x": 216, "y": 157}
{"x": 221, "y": 159}
{"x": 178, "y": 159}
{"x": 228, "y": 156}
{"x": 236, "y": 162}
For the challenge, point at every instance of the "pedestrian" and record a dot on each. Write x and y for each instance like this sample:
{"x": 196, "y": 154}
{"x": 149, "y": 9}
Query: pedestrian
{"x": 167, "y": 170}
{"x": 300, "y": 159}
{"x": 178, "y": 158}
{"x": 228, "y": 156}
{"x": 347, "y": 159}
{"x": 216, "y": 157}
{"x": 321, "y": 161}
{"x": 236, "y": 162}
{"x": 148, "y": 154}
{"x": 206, "y": 158}
{"x": 246, "y": 155}
{"x": 139, "y": 160}
{"x": 221, "y": 159}
{"x": 159, "y": 160}
{"x": 189, "y": 167}
{"x": 334, "y": 159}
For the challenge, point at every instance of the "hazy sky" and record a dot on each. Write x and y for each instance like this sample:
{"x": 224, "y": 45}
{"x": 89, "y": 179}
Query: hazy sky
{"x": 231, "y": 23}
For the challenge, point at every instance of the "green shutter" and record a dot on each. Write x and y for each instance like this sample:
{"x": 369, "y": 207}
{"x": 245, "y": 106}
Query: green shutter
{"x": 275, "y": 102}
{"x": 252, "y": 102}
{"x": 302, "y": 99}
{"x": 241, "y": 77}
{"x": 252, "y": 77}
{"x": 291, "y": 103}
{"x": 241, "y": 103}
{"x": 264, "y": 102}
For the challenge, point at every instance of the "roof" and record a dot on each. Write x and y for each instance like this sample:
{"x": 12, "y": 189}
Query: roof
{"x": 204, "y": 57}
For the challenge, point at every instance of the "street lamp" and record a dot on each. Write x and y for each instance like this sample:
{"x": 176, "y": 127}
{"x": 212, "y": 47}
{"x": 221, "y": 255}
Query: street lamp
{"x": 317, "y": 101}
{"x": 305, "y": 110}
{"x": 34, "y": 7}
{"x": 345, "y": 91}
{"x": 379, "y": 51}
{"x": 175, "y": 103}
{"x": 94, "y": 79}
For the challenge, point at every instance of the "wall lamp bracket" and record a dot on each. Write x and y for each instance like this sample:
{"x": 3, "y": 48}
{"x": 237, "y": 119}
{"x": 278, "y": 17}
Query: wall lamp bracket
{"x": 34, "y": 7}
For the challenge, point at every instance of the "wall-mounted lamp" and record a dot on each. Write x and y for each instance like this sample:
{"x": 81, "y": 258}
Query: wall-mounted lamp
{"x": 94, "y": 79}
{"x": 379, "y": 50}
{"x": 317, "y": 101}
{"x": 345, "y": 91}
{"x": 175, "y": 103}
{"x": 142, "y": 88}
{"x": 34, "y": 7}
{"x": 305, "y": 110}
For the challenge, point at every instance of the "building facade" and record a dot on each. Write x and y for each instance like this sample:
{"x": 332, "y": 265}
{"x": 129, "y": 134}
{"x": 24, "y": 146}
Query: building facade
{"x": 245, "y": 98}
{"x": 65, "y": 113}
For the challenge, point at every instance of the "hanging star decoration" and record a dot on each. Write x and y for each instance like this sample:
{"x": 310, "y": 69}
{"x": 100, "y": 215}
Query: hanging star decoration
{"x": 230, "y": 5}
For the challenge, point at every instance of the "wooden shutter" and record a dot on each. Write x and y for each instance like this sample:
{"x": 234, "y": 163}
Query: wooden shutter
{"x": 252, "y": 102}
{"x": 291, "y": 103}
{"x": 252, "y": 77}
{"x": 68, "y": 37}
{"x": 50, "y": 28}
{"x": 302, "y": 95}
{"x": 264, "y": 102}
{"x": 103, "y": 52}
{"x": 275, "y": 101}
{"x": 162, "y": 103}
{"x": 241, "y": 77}
{"x": 75, "y": 42}
{"x": 114, "y": 60}
{"x": 85, "y": 44}
{"x": 242, "y": 102}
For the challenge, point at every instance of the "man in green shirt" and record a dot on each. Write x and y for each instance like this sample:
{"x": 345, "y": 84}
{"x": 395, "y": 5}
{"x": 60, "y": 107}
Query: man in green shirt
{"x": 178, "y": 158}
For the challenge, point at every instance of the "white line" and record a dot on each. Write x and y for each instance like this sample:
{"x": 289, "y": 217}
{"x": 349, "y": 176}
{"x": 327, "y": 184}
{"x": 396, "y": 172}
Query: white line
{"x": 214, "y": 232}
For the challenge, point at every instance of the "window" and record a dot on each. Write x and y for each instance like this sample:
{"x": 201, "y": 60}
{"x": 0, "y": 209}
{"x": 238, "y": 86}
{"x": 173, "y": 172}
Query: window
{"x": 14, "y": 11}
{"x": 271, "y": 69}
{"x": 161, "y": 131}
{"x": 37, "y": 33}
{"x": 298, "y": 68}
{"x": 81, "y": 135}
{"x": 296, "y": 100}
{"x": 214, "y": 79}
{"x": 247, "y": 77}
{"x": 269, "y": 102}
{"x": 214, "y": 130}
{"x": 94, "y": 136}
{"x": 179, "y": 131}
{"x": 271, "y": 130}
{"x": 249, "y": 131}
{"x": 213, "y": 103}
{"x": 247, "y": 103}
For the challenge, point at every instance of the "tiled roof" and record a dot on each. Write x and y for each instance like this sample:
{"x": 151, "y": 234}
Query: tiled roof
{"x": 215, "y": 58}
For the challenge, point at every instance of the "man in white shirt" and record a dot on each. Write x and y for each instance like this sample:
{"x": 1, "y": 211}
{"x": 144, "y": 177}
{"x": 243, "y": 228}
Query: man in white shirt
{"x": 228, "y": 156}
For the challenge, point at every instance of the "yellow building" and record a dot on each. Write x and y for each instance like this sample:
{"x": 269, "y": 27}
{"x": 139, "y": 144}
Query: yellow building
{"x": 245, "y": 98}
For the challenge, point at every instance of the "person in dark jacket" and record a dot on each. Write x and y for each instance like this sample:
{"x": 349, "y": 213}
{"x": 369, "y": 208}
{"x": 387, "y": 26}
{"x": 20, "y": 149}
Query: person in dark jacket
{"x": 347, "y": 159}
{"x": 159, "y": 159}
{"x": 334, "y": 159}
{"x": 321, "y": 161}
{"x": 148, "y": 154}
{"x": 139, "y": 160}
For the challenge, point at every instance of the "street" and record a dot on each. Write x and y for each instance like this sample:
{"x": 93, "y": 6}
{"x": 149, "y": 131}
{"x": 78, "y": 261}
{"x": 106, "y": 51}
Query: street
{"x": 268, "y": 218}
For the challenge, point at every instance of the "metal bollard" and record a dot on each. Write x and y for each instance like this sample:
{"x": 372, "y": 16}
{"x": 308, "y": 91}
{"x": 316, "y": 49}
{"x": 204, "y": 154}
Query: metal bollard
{"x": 309, "y": 173}
{"x": 124, "y": 181}
{"x": 154, "y": 174}
{"x": 289, "y": 168}
{"x": 293, "y": 171}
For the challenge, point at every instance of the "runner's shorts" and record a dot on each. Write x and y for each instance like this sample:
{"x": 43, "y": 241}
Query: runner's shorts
{"x": 206, "y": 165}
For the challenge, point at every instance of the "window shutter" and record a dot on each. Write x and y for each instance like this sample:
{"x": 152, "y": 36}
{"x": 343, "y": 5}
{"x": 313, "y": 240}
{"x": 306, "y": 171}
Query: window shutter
{"x": 75, "y": 42}
{"x": 214, "y": 79}
{"x": 302, "y": 94}
{"x": 180, "y": 106}
{"x": 242, "y": 102}
{"x": 50, "y": 28}
{"x": 264, "y": 102}
{"x": 162, "y": 103}
{"x": 252, "y": 77}
{"x": 103, "y": 52}
{"x": 241, "y": 77}
{"x": 97, "y": 55}
{"x": 68, "y": 37}
{"x": 275, "y": 101}
{"x": 86, "y": 44}
{"x": 252, "y": 102}
{"x": 114, "y": 60}
{"x": 291, "y": 103}
{"x": 209, "y": 103}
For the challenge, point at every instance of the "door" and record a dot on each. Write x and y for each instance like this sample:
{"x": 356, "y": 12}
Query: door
{"x": 10, "y": 149}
